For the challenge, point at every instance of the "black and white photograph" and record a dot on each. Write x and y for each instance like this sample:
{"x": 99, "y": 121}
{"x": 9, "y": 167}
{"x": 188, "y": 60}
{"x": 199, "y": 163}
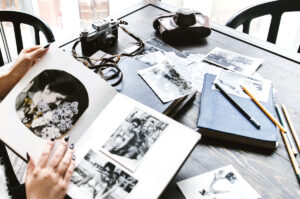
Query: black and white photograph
{"x": 232, "y": 83}
{"x": 96, "y": 177}
{"x": 173, "y": 56}
{"x": 223, "y": 183}
{"x": 150, "y": 55}
{"x": 233, "y": 61}
{"x": 51, "y": 103}
{"x": 195, "y": 57}
{"x": 166, "y": 82}
{"x": 134, "y": 138}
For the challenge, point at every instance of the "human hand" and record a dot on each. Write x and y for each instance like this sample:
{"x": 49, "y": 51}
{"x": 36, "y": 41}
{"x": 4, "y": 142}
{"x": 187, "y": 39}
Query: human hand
{"x": 49, "y": 179}
{"x": 26, "y": 59}
{"x": 21, "y": 65}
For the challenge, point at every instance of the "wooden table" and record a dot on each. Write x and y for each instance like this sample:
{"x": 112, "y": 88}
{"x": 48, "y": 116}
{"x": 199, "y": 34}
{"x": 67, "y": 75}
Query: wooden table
{"x": 270, "y": 173}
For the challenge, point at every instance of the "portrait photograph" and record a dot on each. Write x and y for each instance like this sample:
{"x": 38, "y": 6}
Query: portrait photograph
{"x": 166, "y": 82}
{"x": 51, "y": 103}
{"x": 95, "y": 177}
{"x": 134, "y": 138}
{"x": 233, "y": 61}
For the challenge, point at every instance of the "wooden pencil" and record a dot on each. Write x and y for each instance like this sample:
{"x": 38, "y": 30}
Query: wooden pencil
{"x": 292, "y": 157}
{"x": 289, "y": 121}
{"x": 282, "y": 129}
{"x": 288, "y": 136}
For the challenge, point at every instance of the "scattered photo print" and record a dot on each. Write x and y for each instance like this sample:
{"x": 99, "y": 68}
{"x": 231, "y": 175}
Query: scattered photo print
{"x": 134, "y": 138}
{"x": 95, "y": 177}
{"x": 225, "y": 183}
{"x": 150, "y": 55}
{"x": 195, "y": 57}
{"x": 194, "y": 73}
{"x": 52, "y": 103}
{"x": 233, "y": 61}
{"x": 173, "y": 56}
{"x": 166, "y": 82}
{"x": 232, "y": 83}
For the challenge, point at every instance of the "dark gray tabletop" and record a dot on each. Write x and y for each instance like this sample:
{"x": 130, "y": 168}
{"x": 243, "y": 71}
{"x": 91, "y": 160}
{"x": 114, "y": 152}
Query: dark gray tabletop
{"x": 269, "y": 173}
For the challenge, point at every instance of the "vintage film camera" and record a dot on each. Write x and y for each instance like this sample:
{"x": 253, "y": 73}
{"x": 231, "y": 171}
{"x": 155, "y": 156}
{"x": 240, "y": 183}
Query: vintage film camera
{"x": 104, "y": 34}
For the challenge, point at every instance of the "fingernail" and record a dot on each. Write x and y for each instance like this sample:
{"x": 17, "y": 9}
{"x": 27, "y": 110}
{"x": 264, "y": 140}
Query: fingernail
{"x": 72, "y": 146}
{"x": 53, "y": 138}
{"x": 47, "y": 45}
{"x": 73, "y": 157}
{"x": 28, "y": 157}
{"x": 67, "y": 138}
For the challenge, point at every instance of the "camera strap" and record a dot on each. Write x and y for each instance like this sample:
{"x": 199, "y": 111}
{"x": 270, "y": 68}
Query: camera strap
{"x": 108, "y": 68}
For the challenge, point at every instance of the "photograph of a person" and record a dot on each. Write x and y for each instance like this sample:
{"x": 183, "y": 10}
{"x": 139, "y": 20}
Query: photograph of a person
{"x": 166, "y": 82}
{"x": 97, "y": 178}
{"x": 233, "y": 61}
{"x": 51, "y": 103}
{"x": 134, "y": 138}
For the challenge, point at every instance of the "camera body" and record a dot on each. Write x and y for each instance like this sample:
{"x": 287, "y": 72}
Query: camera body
{"x": 184, "y": 25}
{"x": 103, "y": 35}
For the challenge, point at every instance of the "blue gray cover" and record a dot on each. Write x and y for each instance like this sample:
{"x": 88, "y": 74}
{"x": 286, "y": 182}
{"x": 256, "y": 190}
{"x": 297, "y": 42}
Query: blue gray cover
{"x": 219, "y": 118}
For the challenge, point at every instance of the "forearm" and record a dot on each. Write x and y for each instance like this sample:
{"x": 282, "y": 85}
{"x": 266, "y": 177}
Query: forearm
{"x": 7, "y": 82}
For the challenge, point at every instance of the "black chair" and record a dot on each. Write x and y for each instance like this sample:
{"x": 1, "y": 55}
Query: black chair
{"x": 273, "y": 8}
{"x": 18, "y": 18}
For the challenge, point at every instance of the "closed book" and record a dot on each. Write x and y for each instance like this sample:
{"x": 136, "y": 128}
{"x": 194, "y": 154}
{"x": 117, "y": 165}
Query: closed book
{"x": 219, "y": 118}
{"x": 136, "y": 88}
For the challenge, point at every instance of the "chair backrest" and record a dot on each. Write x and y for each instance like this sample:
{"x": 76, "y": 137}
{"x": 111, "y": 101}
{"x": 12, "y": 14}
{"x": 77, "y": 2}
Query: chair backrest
{"x": 273, "y": 8}
{"x": 18, "y": 18}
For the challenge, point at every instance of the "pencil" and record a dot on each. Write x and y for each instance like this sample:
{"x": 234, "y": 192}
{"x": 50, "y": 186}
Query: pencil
{"x": 280, "y": 116}
{"x": 289, "y": 121}
{"x": 264, "y": 110}
{"x": 251, "y": 119}
{"x": 292, "y": 157}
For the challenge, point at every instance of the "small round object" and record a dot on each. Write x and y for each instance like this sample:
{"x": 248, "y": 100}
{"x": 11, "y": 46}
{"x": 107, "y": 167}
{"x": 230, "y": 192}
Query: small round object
{"x": 185, "y": 17}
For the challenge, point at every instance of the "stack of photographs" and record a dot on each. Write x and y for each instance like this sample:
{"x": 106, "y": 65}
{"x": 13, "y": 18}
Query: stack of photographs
{"x": 166, "y": 82}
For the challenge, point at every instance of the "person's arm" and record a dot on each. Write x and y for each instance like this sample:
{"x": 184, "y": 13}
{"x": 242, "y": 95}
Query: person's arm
{"x": 26, "y": 59}
{"x": 127, "y": 139}
{"x": 49, "y": 178}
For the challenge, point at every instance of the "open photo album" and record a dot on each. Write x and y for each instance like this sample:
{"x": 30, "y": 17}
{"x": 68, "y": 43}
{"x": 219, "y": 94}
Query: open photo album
{"x": 123, "y": 148}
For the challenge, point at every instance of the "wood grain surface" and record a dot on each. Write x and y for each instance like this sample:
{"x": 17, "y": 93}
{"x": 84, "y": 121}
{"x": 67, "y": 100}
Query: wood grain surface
{"x": 269, "y": 172}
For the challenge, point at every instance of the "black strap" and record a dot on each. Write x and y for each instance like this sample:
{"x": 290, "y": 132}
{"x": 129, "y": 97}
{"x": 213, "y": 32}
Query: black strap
{"x": 109, "y": 64}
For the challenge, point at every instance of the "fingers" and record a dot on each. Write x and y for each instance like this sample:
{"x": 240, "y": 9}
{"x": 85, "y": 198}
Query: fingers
{"x": 28, "y": 50}
{"x": 59, "y": 153}
{"x": 65, "y": 162}
{"x": 70, "y": 170}
{"x": 46, "y": 154}
{"x": 38, "y": 53}
{"x": 31, "y": 165}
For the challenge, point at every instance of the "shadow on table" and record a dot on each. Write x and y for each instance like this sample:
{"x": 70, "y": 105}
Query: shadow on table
{"x": 235, "y": 146}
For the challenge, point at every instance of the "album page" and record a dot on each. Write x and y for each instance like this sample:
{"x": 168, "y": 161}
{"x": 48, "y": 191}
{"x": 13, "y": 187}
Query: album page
{"x": 130, "y": 151}
{"x": 57, "y": 97}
